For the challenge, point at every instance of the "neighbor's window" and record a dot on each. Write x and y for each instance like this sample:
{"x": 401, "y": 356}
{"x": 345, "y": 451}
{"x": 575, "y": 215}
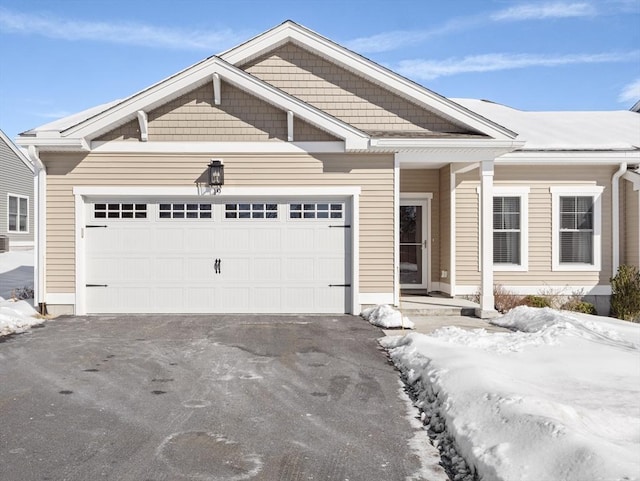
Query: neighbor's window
{"x": 576, "y": 228}
{"x": 18, "y": 214}
{"x": 506, "y": 230}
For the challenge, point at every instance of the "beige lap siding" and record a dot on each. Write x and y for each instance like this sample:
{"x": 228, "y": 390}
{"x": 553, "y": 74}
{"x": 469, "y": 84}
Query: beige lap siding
{"x": 374, "y": 173}
{"x": 539, "y": 180}
{"x": 630, "y": 227}
{"x": 426, "y": 181}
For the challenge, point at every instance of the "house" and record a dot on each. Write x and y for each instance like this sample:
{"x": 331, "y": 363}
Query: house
{"x": 344, "y": 183}
{"x": 16, "y": 197}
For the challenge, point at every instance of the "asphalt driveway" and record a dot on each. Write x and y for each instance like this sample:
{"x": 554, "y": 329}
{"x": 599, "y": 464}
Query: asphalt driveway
{"x": 204, "y": 397}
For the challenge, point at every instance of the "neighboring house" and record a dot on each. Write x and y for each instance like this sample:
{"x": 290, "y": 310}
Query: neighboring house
{"x": 344, "y": 183}
{"x": 16, "y": 195}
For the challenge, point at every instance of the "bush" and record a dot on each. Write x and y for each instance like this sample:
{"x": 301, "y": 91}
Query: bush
{"x": 577, "y": 305}
{"x": 625, "y": 294}
{"x": 535, "y": 301}
{"x": 22, "y": 293}
{"x": 505, "y": 300}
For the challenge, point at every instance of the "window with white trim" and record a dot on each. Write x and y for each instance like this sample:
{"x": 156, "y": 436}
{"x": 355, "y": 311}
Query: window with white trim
{"x": 251, "y": 211}
{"x": 321, "y": 210}
{"x": 507, "y": 231}
{"x": 510, "y": 225}
{"x": 576, "y": 228}
{"x": 119, "y": 211}
{"x": 18, "y": 214}
{"x": 184, "y": 211}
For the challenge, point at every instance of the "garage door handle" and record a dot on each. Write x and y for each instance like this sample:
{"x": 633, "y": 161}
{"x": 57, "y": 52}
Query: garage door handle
{"x": 219, "y": 266}
{"x": 216, "y": 266}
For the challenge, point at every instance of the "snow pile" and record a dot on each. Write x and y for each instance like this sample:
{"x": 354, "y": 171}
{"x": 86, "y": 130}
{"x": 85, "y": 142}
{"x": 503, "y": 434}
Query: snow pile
{"x": 387, "y": 317}
{"x": 16, "y": 317}
{"x": 16, "y": 271}
{"x": 557, "y": 399}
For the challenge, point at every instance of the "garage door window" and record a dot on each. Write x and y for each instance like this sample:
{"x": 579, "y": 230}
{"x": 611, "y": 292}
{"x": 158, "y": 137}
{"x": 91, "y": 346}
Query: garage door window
{"x": 185, "y": 211}
{"x": 316, "y": 211}
{"x": 251, "y": 211}
{"x": 120, "y": 211}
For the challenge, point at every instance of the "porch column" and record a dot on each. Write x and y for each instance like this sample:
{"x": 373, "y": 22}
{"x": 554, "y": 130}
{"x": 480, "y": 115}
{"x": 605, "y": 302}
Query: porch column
{"x": 487, "y": 306}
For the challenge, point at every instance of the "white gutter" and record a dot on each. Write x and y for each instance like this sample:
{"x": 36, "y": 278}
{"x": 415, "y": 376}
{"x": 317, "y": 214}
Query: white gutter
{"x": 615, "y": 217}
{"x": 40, "y": 208}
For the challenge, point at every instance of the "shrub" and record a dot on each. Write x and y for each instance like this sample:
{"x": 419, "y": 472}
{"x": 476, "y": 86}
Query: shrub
{"x": 22, "y": 293}
{"x": 625, "y": 293}
{"x": 577, "y": 305}
{"x": 505, "y": 300}
{"x": 535, "y": 301}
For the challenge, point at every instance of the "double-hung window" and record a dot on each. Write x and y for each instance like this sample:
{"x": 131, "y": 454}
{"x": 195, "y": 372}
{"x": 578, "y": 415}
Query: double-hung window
{"x": 510, "y": 228}
{"x": 18, "y": 214}
{"x": 576, "y": 228}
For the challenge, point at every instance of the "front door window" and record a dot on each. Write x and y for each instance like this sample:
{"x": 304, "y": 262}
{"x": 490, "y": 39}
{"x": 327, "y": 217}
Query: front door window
{"x": 411, "y": 243}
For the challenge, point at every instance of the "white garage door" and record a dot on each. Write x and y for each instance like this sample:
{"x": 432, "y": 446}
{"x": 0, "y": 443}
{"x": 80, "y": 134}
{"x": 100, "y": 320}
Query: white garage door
{"x": 185, "y": 256}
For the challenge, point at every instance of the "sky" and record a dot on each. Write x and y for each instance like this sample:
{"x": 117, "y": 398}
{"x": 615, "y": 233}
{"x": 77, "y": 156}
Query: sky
{"x": 61, "y": 57}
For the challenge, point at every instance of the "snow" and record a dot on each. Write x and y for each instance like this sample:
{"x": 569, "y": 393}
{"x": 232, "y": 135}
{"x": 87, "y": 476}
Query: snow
{"x": 16, "y": 271}
{"x": 386, "y": 317}
{"x": 557, "y": 398}
{"x": 609, "y": 130}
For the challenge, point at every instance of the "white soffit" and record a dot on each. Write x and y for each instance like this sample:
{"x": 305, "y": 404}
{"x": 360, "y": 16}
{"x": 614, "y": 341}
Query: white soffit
{"x": 290, "y": 31}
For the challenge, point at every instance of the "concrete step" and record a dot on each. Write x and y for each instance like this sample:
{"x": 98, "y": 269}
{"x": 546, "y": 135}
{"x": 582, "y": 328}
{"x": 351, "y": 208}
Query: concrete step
{"x": 437, "y": 311}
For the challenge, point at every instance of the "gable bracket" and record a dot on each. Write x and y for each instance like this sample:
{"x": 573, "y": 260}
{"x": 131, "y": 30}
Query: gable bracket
{"x": 144, "y": 125}
{"x": 289, "y": 126}
{"x": 216, "y": 89}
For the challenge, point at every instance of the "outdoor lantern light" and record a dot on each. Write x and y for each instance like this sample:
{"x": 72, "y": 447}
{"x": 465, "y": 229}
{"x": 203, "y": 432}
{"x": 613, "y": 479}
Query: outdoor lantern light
{"x": 216, "y": 175}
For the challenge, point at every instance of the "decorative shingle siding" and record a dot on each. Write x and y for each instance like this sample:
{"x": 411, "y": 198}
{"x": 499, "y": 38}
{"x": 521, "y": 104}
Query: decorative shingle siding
{"x": 374, "y": 173}
{"x": 337, "y": 91}
{"x": 239, "y": 117}
{"x": 15, "y": 178}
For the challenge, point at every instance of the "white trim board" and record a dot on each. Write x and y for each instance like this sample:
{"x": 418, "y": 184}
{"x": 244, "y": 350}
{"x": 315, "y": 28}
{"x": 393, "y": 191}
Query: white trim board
{"x": 84, "y": 193}
{"x": 566, "y": 290}
{"x": 375, "y": 298}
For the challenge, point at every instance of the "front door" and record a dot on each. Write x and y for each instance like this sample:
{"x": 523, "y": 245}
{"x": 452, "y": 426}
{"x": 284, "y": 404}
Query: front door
{"x": 413, "y": 244}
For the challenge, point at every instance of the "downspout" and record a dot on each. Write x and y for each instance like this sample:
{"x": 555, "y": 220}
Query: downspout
{"x": 615, "y": 217}
{"x": 39, "y": 188}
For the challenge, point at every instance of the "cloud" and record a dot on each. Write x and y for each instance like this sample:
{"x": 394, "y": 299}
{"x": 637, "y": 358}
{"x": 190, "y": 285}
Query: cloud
{"x": 431, "y": 69}
{"x": 388, "y": 41}
{"x": 120, "y": 33}
{"x": 630, "y": 92}
{"x": 544, "y": 11}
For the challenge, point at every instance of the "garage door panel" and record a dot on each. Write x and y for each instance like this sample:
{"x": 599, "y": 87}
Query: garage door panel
{"x": 299, "y": 239}
{"x": 267, "y": 269}
{"x": 299, "y": 268}
{"x": 234, "y": 299}
{"x": 201, "y": 240}
{"x": 266, "y": 299}
{"x": 235, "y": 238}
{"x": 169, "y": 240}
{"x": 169, "y": 269}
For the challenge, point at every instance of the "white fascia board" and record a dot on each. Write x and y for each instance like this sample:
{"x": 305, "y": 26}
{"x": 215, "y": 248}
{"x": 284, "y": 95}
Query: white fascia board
{"x": 54, "y": 144}
{"x": 561, "y": 157}
{"x": 182, "y": 191}
{"x": 501, "y": 147}
{"x": 290, "y": 31}
{"x": 201, "y": 73}
{"x": 217, "y": 147}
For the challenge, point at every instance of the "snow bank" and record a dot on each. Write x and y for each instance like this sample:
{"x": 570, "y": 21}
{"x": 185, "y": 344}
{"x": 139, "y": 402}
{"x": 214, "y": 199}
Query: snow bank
{"x": 16, "y": 317}
{"x": 387, "y": 317}
{"x": 557, "y": 399}
{"x": 16, "y": 271}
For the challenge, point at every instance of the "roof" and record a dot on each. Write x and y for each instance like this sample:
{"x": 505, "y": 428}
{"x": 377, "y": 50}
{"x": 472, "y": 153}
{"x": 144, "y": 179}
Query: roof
{"x": 20, "y": 153}
{"x": 617, "y": 130}
{"x": 69, "y": 121}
